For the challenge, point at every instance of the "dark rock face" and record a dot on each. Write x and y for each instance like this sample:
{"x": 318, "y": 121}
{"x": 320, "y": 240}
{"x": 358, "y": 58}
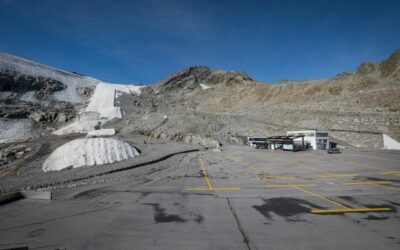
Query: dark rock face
{"x": 60, "y": 113}
{"x": 12, "y": 82}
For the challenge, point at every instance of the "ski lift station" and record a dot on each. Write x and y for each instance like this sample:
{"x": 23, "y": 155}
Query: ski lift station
{"x": 316, "y": 139}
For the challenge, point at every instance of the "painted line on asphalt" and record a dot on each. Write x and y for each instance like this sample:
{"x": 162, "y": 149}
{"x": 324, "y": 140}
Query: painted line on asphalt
{"x": 205, "y": 173}
{"x": 351, "y": 210}
{"x": 322, "y": 197}
{"x": 344, "y": 208}
{"x": 373, "y": 157}
{"x": 366, "y": 183}
{"x": 338, "y": 175}
{"x": 210, "y": 186}
{"x": 290, "y": 185}
{"x": 390, "y": 173}
{"x": 267, "y": 176}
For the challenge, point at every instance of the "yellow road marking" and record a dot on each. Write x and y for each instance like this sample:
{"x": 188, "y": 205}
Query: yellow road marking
{"x": 290, "y": 185}
{"x": 205, "y": 173}
{"x": 337, "y": 175}
{"x": 389, "y": 173}
{"x": 266, "y": 175}
{"x": 274, "y": 178}
{"x": 210, "y": 187}
{"x": 321, "y": 197}
{"x": 213, "y": 189}
{"x": 373, "y": 157}
{"x": 351, "y": 210}
{"x": 366, "y": 183}
{"x": 296, "y": 163}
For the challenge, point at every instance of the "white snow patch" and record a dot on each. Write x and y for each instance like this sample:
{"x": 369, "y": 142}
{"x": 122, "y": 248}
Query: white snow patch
{"x": 89, "y": 152}
{"x": 6, "y": 94}
{"x": 101, "y": 132}
{"x": 15, "y": 129}
{"x": 203, "y": 86}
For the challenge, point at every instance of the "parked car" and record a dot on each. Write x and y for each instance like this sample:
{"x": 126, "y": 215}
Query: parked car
{"x": 334, "y": 151}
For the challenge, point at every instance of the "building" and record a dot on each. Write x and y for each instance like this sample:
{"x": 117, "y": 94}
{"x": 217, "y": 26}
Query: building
{"x": 315, "y": 139}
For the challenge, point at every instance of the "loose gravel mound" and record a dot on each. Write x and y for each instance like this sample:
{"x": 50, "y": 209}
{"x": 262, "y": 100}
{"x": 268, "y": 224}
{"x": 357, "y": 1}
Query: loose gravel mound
{"x": 89, "y": 152}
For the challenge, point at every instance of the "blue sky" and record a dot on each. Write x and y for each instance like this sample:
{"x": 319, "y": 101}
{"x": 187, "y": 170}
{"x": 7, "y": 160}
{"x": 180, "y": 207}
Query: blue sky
{"x": 145, "y": 41}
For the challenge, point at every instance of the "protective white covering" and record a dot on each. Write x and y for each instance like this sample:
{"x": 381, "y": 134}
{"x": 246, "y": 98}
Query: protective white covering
{"x": 102, "y": 100}
{"x": 101, "y": 132}
{"x": 101, "y": 108}
{"x": 89, "y": 152}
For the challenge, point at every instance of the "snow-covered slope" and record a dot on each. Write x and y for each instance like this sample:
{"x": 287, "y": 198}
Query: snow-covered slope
{"x": 89, "y": 152}
{"x": 100, "y": 108}
{"x": 10, "y": 63}
{"x": 102, "y": 100}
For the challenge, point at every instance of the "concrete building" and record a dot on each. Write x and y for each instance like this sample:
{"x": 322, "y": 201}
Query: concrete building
{"x": 316, "y": 139}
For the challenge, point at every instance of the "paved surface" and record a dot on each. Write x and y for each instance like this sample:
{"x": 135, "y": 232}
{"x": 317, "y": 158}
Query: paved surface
{"x": 241, "y": 198}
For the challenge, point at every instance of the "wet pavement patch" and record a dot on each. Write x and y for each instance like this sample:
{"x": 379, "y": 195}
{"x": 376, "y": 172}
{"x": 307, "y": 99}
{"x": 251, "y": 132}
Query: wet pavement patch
{"x": 380, "y": 179}
{"x": 92, "y": 193}
{"x": 373, "y": 217}
{"x": 199, "y": 218}
{"x": 289, "y": 208}
{"x": 347, "y": 198}
{"x": 161, "y": 216}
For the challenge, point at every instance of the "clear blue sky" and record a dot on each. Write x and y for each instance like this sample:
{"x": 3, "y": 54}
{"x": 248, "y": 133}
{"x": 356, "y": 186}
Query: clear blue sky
{"x": 145, "y": 41}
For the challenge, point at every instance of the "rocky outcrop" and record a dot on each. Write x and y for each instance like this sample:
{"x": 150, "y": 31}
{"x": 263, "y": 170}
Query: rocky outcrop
{"x": 11, "y": 81}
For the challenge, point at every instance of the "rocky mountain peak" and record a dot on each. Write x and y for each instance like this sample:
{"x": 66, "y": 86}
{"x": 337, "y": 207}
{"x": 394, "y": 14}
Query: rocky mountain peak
{"x": 192, "y": 77}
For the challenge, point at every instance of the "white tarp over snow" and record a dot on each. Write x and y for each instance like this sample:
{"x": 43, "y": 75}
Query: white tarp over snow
{"x": 104, "y": 96}
{"x": 89, "y": 152}
{"x": 101, "y": 107}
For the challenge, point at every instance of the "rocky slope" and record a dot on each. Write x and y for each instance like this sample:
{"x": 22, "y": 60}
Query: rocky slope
{"x": 35, "y": 98}
{"x": 357, "y": 107}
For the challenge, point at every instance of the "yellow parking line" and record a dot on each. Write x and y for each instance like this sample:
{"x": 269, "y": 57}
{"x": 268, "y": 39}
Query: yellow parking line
{"x": 266, "y": 175}
{"x": 274, "y": 178}
{"x": 321, "y": 197}
{"x": 226, "y": 188}
{"x": 210, "y": 187}
{"x": 290, "y": 185}
{"x": 338, "y": 175}
{"x": 366, "y": 183}
{"x": 351, "y": 210}
{"x": 295, "y": 163}
{"x": 373, "y": 157}
{"x": 205, "y": 173}
{"x": 389, "y": 173}
{"x": 213, "y": 189}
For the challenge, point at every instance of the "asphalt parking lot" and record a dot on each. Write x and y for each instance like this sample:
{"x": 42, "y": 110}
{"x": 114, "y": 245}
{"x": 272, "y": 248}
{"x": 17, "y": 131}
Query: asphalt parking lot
{"x": 241, "y": 198}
